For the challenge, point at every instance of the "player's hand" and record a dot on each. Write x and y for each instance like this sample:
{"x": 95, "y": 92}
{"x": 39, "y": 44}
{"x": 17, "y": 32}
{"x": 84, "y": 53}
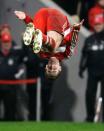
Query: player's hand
{"x": 20, "y": 14}
{"x": 76, "y": 27}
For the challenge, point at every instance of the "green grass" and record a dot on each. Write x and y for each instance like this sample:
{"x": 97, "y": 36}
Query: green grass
{"x": 48, "y": 126}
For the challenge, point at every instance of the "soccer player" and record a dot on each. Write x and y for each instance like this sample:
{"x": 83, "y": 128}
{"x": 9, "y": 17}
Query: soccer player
{"x": 51, "y": 37}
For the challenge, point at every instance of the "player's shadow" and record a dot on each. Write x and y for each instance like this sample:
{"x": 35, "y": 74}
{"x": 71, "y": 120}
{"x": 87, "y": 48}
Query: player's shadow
{"x": 63, "y": 98}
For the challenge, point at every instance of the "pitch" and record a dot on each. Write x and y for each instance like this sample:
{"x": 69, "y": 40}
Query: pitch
{"x": 50, "y": 126}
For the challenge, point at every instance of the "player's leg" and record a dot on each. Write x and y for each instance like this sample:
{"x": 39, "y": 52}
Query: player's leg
{"x": 51, "y": 37}
{"x": 51, "y": 41}
{"x": 57, "y": 38}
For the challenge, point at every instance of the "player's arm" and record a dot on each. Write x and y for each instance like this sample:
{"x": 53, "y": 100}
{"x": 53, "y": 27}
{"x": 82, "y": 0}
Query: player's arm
{"x": 70, "y": 42}
{"x": 23, "y": 16}
{"x": 72, "y": 38}
{"x": 74, "y": 34}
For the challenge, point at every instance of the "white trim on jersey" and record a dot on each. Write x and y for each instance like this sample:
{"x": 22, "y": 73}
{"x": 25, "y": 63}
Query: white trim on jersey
{"x": 66, "y": 32}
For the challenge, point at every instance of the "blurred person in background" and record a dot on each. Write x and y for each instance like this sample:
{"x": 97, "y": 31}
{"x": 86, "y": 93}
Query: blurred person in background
{"x": 46, "y": 92}
{"x": 32, "y": 72}
{"x": 34, "y": 69}
{"x": 93, "y": 60}
{"x": 98, "y": 9}
{"x": 10, "y": 60}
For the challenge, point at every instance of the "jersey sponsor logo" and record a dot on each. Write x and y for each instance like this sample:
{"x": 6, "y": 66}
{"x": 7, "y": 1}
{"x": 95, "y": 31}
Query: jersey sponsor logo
{"x": 66, "y": 32}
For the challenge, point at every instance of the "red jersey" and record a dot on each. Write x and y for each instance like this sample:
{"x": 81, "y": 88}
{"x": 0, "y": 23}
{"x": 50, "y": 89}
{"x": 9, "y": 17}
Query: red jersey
{"x": 49, "y": 19}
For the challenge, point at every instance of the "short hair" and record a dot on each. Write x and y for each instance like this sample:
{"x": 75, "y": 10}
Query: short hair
{"x": 52, "y": 76}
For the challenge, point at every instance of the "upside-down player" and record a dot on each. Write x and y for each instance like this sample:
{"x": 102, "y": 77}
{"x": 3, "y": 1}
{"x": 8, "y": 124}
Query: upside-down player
{"x": 51, "y": 37}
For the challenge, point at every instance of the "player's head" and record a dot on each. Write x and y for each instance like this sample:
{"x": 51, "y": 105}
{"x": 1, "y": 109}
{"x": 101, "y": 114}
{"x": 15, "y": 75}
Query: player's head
{"x": 53, "y": 68}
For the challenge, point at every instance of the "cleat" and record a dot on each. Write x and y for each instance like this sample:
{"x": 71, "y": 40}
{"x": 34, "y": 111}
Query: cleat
{"x": 37, "y": 41}
{"x": 28, "y": 34}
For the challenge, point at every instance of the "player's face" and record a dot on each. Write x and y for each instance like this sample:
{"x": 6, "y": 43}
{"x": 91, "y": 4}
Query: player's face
{"x": 99, "y": 27}
{"x": 53, "y": 68}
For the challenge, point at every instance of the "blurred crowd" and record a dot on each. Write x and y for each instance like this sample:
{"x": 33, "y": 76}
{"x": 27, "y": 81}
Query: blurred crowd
{"x": 18, "y": 101}
{"x": 19, "y": 73}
